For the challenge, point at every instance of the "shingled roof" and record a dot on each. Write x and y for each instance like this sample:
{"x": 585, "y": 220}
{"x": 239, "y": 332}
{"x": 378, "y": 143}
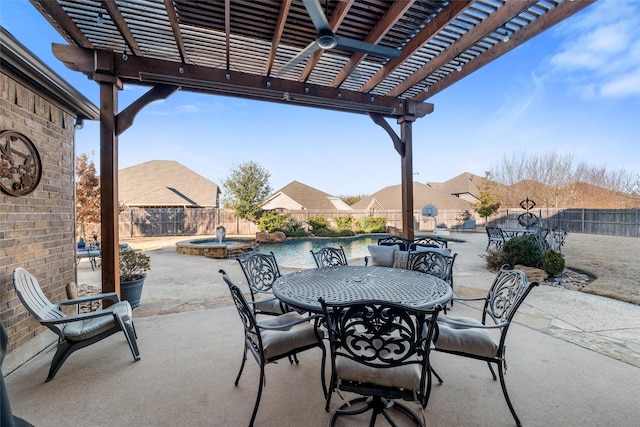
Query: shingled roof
{"x": 163, "y": 183}
{"x": 464, "y": 186}
{"x": 423, "y": 194}
{"x": 297, "y": 195}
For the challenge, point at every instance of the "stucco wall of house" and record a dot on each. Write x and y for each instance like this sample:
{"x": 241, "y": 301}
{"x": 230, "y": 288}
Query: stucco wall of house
{"x": 36, "y": 230}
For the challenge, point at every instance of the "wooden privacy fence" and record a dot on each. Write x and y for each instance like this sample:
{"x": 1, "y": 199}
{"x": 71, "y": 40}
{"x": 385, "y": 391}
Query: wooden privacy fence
{"x": 610, "y": 222}
{"x": 150, "y": 222}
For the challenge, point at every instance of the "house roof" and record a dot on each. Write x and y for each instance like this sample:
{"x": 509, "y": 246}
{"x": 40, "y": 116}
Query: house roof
{"x": 304, "y": 197}
{"x": 165, "y": 183}
{"x": 423, "y": 194}
{"x": 16, "y": 59}
{"x": 465, "y": 183}
{"x": 391, "y": 56}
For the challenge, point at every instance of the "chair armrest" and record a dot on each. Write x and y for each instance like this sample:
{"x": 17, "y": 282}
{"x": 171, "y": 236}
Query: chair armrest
{"x": 109, "y": 311}
{"x": 88, "y": 298}
{"x": 288, "y": 325}
{"x": 471, "y": 325}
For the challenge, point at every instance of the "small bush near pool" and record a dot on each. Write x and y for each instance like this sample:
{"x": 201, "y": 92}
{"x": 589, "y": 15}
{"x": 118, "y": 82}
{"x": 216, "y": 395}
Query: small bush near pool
{"x": 523, "y": 250}
{"x": 553, "y": 263}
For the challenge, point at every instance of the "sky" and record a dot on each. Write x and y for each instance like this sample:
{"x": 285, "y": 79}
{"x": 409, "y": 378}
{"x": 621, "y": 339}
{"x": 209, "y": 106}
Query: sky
{"x": 573, "y": 90}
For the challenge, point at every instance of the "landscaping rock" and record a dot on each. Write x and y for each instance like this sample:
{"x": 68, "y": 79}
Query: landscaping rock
{"x": 278, "y": 237}
{"x": 262, "y": 237}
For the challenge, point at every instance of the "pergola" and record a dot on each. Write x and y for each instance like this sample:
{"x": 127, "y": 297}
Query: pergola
{"x": 382, "y": 58}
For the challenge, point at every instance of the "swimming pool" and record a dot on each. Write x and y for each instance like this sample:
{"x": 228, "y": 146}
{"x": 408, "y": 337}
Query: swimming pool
{"x": 295, "y": 253}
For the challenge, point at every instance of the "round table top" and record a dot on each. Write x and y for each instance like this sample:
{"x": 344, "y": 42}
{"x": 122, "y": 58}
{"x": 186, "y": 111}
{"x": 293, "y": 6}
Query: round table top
{"x": 302, "y": 289}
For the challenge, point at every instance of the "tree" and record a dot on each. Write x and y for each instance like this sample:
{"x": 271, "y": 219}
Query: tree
{"x": 350, "y": 200}
{"x": 246, "y": 188}
{"x": 488, "y": 202}
{"x": 87, "y": 194}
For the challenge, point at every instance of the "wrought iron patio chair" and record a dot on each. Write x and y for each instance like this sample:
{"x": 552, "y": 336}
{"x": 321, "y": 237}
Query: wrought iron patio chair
{"x": 275, "y": 338}
{"x": 380, "y": 351}
{"x": 433, "y": 262}
{"x": 261, "y": 271}
{"x": 329, "y": 257}
{"x": 79, "y": 330}
{"x": 469, "y": 338}
{"x": 433, "y": 242}
{"x": 403, "y": 244}
{"x": 496, "y": 237}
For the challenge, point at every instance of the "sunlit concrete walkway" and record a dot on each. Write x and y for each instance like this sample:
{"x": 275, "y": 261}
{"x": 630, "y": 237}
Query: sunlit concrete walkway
{"x": 573, "y": 360}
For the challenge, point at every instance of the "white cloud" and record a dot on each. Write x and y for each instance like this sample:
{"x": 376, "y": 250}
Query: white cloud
{"x": 622, "y": 85}
{"x": 600, "y": 55}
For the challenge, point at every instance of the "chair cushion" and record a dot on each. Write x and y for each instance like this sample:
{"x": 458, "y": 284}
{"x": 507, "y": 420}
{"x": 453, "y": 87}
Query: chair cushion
{"x": 470, "y": 320}
{"x": 282, "y": 341}
{"x": 269, "y": 305}
{"x": 405, "y": 376}
{"x": 85, "y": 329}
{"x": 400, "y": 259}
{"x": 382, "y": 255}
{"x": 443, "y": 251}
{"x": 470, "y": 341}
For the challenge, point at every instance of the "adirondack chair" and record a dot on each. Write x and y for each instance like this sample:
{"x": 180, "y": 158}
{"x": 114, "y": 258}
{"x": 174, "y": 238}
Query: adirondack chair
{"x": 78, "y": 330}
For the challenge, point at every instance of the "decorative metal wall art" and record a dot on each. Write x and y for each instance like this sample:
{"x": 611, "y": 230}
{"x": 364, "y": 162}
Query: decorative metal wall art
{"x": 20, "y": 164}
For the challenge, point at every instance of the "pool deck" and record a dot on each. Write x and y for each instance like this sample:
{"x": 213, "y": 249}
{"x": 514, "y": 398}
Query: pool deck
{"x": 574, "y": 360}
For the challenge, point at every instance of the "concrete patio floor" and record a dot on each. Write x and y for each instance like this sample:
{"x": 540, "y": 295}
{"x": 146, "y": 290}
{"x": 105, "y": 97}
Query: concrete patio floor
{"x": 573, "y": 360}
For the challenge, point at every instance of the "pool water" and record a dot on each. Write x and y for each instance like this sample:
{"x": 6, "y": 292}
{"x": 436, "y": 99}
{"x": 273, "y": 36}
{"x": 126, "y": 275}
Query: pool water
{"x": 295, "y": 253}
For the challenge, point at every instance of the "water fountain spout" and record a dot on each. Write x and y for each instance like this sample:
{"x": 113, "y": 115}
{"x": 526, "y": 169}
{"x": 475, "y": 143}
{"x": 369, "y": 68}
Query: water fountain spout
{"x": 221, "y": 232}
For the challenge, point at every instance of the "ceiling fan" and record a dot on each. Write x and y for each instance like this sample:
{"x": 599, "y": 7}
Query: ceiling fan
{"x": 327, "y": 39}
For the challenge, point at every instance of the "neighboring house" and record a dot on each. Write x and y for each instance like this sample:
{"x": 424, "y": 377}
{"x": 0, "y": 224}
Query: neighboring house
{"x": 464, "y": 186}
{"x": 297, "y": 196}
{"x": 165, "y": 183}
{"x": 390, "y": 198}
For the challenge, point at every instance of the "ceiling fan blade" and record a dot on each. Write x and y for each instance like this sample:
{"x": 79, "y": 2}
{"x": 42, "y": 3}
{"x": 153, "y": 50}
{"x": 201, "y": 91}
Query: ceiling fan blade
{"x": 304, "y": 54}
{"x": 353, "y": 45}
{"x": 315, "y": 12}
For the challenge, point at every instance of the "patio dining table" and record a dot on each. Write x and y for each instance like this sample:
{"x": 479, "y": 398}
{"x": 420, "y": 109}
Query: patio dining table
{"x": 514, "y": 232}
{"x": 302, "y": 289}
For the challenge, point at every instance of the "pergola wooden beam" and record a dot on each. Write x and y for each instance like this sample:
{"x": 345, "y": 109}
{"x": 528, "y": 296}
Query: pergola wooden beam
{"x": 385, "y": 24}
{"x": 444, "y": 18}
{"x": 548, "y": 20}
{"x": 484, "y": 28}
{"x": 277, "y": 34}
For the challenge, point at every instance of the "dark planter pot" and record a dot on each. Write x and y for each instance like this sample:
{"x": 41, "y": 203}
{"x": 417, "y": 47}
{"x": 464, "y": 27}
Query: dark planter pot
{"x": 132, "y": 291}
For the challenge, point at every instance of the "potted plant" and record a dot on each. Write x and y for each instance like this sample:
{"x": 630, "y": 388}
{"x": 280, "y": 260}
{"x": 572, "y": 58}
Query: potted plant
{"x": 133, "y": 268}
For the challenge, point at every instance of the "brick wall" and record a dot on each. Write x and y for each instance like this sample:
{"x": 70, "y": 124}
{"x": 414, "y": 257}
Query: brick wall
{"x": 37, "y": 230}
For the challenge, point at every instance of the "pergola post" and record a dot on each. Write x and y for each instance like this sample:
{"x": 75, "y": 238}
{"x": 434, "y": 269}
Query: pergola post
{"x": 406, "y": 159}
{"x": 404, "y": 147}
{"x": 109, "y": 211}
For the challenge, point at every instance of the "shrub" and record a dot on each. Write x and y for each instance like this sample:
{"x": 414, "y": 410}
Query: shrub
{"x": 317, "y": 223}
{"x": 523, "y": 250}
{"x": 292, "y": 226}
{"x": 297, "y": 233}
{"x": 552, "y": 262}
{"x": 133, "y": 265}
{"x": 271, "y": 221}
{"x": 326, "y": 232}
{"x": 495, "y": 260}
{"x": 344, "y": 222}
{"x": 370, "y": 224}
